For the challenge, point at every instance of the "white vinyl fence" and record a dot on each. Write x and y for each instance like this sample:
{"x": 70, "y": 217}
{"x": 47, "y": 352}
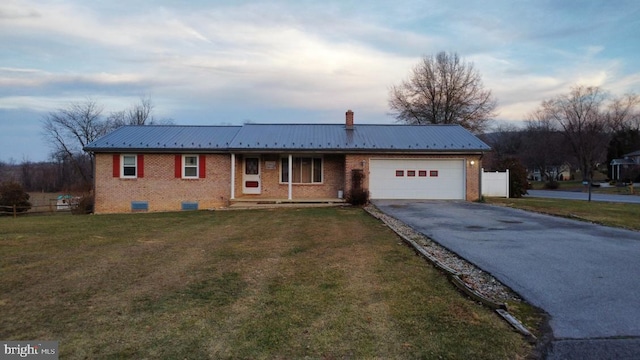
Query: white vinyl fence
{"x": 495, "y": 184}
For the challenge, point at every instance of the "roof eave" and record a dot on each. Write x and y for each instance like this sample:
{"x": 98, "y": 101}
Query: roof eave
{"x": 280, "y": 150}
{"x": 157, "y": 151}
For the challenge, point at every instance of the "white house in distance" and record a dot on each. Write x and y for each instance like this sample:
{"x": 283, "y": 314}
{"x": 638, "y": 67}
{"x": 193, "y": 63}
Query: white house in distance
{"x": 628, "y": 163}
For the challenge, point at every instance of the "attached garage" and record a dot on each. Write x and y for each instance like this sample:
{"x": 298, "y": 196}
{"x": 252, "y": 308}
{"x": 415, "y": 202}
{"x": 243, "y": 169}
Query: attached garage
{"x": 417, "y": 179}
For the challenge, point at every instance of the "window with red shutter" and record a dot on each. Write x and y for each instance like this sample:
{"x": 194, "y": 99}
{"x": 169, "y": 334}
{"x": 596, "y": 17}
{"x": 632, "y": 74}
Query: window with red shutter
{"x": 129, "y": 166}
{"x": 190, "y": 166}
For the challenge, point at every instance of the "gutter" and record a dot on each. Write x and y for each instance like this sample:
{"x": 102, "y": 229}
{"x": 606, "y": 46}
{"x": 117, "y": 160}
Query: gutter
{"x": 282, "y": 150}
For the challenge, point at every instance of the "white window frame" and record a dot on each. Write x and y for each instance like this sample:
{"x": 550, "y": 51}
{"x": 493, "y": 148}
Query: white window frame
{"x": 135, "y": 166}
{"x": 196, "y": 166}
{"x": 321, "y": 158}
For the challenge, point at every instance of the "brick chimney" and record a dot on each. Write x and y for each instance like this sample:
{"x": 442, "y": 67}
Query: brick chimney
{"x": 349, "y": 122}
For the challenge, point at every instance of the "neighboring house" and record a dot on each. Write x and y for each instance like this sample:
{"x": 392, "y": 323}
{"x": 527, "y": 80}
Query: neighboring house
{"x": 65, "y": 202}
{"x": 624, "y": 167}
{"x": 562, "y": 172}
{"x": 162, "y": 168}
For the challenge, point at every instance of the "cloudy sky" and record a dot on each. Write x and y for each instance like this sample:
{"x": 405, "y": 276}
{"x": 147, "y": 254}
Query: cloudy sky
{"x": 230, "y": 62}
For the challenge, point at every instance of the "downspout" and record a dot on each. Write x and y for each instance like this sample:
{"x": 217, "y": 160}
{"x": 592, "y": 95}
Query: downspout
{"x": 233, "y": 176}
{"x": 290, "y": 177}
{"x": 93, "y": 192}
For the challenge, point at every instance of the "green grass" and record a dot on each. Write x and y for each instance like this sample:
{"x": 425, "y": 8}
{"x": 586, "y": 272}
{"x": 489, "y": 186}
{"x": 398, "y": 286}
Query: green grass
{"x": 576, "y": 185}
{"x": 289, "y": 283}
{"x": 605, "y": 213}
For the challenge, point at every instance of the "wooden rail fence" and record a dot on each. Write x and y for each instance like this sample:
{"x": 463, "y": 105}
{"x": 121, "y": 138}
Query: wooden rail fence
{"x": 51, "y": 208}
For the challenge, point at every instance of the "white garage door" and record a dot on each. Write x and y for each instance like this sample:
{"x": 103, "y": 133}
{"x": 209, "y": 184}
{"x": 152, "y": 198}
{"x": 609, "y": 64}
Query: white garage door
{"x": 417, "y": 179}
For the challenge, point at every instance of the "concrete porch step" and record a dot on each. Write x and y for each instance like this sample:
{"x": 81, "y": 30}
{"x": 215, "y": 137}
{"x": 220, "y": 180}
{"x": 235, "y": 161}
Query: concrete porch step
{"x": 267, "y": 202}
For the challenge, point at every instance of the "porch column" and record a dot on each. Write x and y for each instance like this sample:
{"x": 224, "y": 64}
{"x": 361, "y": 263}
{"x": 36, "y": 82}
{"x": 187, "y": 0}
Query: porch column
{"x": 618, "y": 166}
{"x": 290, "y": 176}
{"x": 233, "y": 176}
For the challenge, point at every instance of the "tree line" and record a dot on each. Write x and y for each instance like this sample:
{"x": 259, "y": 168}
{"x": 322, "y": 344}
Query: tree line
{"x": 586, "y": 127}
{"x": 68, "y": 130}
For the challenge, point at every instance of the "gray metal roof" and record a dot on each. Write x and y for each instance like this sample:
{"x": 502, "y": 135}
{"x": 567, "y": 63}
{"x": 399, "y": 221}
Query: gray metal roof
{"x": 363, "y": 137}
{"x": 291, "y": 137}
{"x": 165, "y": 138}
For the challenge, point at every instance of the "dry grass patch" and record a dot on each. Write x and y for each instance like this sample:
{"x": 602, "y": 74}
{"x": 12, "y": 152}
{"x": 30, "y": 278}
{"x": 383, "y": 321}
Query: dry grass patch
{"x": 288, "y": 283}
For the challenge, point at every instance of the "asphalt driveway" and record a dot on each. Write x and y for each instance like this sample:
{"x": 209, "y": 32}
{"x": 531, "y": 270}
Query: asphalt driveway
{"x": 585, "y": 276}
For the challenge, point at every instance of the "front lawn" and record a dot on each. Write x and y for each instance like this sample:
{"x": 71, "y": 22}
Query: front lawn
{"x": 578, "y": 186}
{"x": 321, "y": 283}
{"x": 611, "y": 214}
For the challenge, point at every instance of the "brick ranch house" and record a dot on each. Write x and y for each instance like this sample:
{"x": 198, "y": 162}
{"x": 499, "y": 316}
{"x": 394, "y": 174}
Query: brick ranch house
{"x": 166, "y": 168}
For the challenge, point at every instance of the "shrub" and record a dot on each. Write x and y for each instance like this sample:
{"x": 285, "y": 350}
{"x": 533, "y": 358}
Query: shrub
{"x": 358, "y": 197}
{"x": 12, "y": 194}
{"x": 84, "y": 206}
{"x": 551, "y": 185}
{"x": 518, "y": 183}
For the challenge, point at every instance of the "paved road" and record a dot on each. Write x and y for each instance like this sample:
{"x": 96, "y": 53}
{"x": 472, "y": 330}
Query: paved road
{"x": 585, "y": 276}
{"x": 576, "y": 195}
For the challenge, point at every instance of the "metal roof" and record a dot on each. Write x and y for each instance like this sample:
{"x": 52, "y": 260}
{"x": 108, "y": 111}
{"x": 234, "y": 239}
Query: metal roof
{"x": 291, "y": 137}
{"x": 165, "y": 138}
{"x": 363, "y": 137}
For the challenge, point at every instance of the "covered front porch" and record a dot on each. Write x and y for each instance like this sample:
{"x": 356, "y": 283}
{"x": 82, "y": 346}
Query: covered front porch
{"x": 277, "y": 178}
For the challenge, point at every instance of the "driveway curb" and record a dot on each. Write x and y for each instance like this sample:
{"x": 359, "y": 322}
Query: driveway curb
{"x": 455, "y": 278}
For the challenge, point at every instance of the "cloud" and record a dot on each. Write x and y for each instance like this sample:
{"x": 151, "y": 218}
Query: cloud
{"x": 256, "y": 52}
{"x": 298, "y": 56}
{"x": 11, "y": 10}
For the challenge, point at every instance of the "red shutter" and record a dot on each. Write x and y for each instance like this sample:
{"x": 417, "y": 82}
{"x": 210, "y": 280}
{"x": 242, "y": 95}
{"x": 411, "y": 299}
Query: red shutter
{"x": 202, "y": 160}
{"x": 140, "y": 165}
{"x": 116, "y": 165}
{"x": 178, "y": 170}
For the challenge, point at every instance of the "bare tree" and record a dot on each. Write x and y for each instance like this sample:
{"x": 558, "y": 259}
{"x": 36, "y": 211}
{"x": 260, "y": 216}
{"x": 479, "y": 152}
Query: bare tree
{"x": 543, "y": 146}
{"x": 585, "y": 124}
{"x": 117, "y": 119}
{"x": 140, "y": 113}
{"x": 505, "y": 141}
{"x": 623, "y": 113}
{"x": 70, "y": 129}
{"x": 443, "y": 89}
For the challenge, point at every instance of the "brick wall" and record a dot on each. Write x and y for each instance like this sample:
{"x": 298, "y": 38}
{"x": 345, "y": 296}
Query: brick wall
{"x": 164, "y": 192}
{"x": 473, "y": 177}
{"x": 159, "y": 186}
